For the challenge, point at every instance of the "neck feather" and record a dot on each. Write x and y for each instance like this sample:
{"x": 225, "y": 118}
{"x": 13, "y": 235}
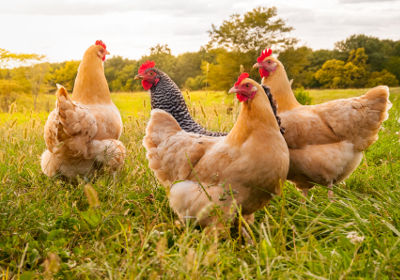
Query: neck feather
{"x": 281, "y": 90}
{"x": 255, "y": 119}
{"x": 90, "y": 84}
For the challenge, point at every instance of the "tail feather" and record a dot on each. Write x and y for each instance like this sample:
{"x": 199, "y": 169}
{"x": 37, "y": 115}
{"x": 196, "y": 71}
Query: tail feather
{"x": 70, "y": 127}
{"x": 74, "y": 118}
{"x": 357, "y": 119}
{"x": 377, "y": 99}
{"x": 377, "y": 102}
{"x": 160, "y": 126}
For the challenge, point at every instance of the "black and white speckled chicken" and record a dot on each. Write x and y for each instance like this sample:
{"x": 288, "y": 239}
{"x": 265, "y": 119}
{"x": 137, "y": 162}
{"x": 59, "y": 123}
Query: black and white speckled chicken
{"x": 166, "y": 95}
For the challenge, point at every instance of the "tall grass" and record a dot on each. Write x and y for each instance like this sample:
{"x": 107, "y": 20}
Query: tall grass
{"x": 51, "y": 228}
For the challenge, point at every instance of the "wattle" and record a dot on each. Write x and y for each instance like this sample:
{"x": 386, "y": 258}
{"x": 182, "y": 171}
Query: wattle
{"x": 263, "y": 73}
{"x": 242, "y": 97}
{"x": 146, "y": 85}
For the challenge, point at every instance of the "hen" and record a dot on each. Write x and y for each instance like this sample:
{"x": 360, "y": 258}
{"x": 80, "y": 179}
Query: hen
{"x": 166, "y": 95}
{"x": 325, "y": 141}
{"x": 84, "y": 130}
{"x": 247, "y": 166}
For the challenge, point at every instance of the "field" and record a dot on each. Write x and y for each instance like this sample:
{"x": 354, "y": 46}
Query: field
{"x": 50, "y": 228}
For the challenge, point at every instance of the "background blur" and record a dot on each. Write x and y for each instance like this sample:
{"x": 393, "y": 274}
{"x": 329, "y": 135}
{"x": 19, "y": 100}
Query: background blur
{"x": 201, "y": 45}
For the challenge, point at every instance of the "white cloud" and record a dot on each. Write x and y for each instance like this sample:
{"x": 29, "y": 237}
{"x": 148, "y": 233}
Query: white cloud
{"x": 365, "y": 1}
{"x": 62, "y": 30}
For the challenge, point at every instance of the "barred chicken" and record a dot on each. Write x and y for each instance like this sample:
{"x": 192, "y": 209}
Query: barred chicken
{"x": 166, "y": 95}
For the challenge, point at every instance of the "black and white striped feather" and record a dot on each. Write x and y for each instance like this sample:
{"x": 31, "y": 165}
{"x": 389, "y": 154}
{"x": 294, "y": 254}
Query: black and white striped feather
{"x": 274, "y": 107}
{"x": 166, "y": 95}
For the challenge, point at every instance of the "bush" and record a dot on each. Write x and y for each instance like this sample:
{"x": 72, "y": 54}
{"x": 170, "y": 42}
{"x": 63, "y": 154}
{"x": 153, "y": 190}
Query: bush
{"x": 383, "y": 77}
{"x": 196, "y": 83}
{"x": 302, "y": 96}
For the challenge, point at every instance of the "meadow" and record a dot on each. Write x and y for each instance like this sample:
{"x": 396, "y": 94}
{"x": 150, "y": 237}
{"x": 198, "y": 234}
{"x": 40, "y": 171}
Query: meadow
{"x": 122, "y": 227}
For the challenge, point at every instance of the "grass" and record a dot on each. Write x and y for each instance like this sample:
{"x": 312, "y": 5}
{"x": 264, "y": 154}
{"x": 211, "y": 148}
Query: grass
{"x": 50, "y": 228}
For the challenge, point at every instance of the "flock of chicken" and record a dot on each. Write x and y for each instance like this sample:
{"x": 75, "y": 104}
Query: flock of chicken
{"x": 206, "y": 171}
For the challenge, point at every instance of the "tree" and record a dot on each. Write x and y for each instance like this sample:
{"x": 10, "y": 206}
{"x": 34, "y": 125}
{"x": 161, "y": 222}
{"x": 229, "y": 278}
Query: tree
{"x": 296, "y": 62}
{"x": 120, "y": 74}
{"x": 187, "y": 65}
{"x": 356, "y": 68}
{"x": 36, "y": 75}
{"x": 161, "y": 54}
{"x": 222, "y": 74}
{"x": 331, "y": 74}
{"x": 338, "y": 74}
{"x": 8, "y": 58}
{"x": 21, "y": 78}
{"x": 254, "y": 31}
{"x": 377, "y": 50}
{"x": 195, "y": 83}
{"x": 7, "y": 88}
{"x": 63, "y": 74}
{"x": 382, "y": 78}
{"x": 393, "y": 66}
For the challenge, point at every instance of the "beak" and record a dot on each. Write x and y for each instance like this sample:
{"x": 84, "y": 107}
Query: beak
{"x": 107, "y": 52}
{"x": 232, "y": 90}
{"x": 257, "y": 65}
{"x": 138, "y": 77}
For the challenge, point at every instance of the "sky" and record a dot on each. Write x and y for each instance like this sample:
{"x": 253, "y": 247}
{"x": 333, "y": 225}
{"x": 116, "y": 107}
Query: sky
{"x": 63, "y": 29}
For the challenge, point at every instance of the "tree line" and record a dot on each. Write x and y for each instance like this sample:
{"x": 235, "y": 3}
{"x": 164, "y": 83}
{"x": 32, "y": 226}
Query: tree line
{"x": 357, "y": 61}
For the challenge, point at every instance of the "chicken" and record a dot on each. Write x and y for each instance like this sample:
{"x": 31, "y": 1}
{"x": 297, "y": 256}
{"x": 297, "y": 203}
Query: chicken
{"x": 248, "y": 166}
{"x": 82, "y": 132}
{"x": 165, "y": 95}
{"x": 325, "y": 141}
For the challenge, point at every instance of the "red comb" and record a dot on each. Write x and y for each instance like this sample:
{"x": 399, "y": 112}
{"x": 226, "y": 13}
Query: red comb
{"x": 241, "y": 78}
{"x": 265, "y": 53}
{"x": 146, "y": 65}
{"x": 101, "y": 43}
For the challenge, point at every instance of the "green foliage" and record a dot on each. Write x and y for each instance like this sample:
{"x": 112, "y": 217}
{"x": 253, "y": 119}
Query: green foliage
{"x": 120, "y": 74}
{"x": 7, "y": 57}
{"x": 9, "y": 86}
{"x": 338, "y": 74}
{"x": 163, "y": 58}
{"x": 331, "y": 74}
{"x": 222, "y": 74}
{"x": 377, "y": 50}
{"x": 296, "y": 62}
{"x": 349, "y": 65}
{"x": 393, "y": 65}
{"x": 64, "y": 74}
{"x": 188, "y": 66}
{"x": 302, "y": 96}
{"x": 382, "y": 78}
{"x": 358, "y": 57}
{"x": 195, "y": 83}
{"x": 253, "y": 31}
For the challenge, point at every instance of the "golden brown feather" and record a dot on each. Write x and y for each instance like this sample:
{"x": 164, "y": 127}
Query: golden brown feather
{"x": 326, "y": 140}
{"x": 85, "y": 128}
{"x": 251, "y": 161}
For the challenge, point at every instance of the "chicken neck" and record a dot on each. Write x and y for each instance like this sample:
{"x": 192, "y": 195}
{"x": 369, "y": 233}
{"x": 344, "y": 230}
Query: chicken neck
{"x": 255, "y": 118}
{"x": 281, "y": 90}
{"x": 90, "y": 84}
